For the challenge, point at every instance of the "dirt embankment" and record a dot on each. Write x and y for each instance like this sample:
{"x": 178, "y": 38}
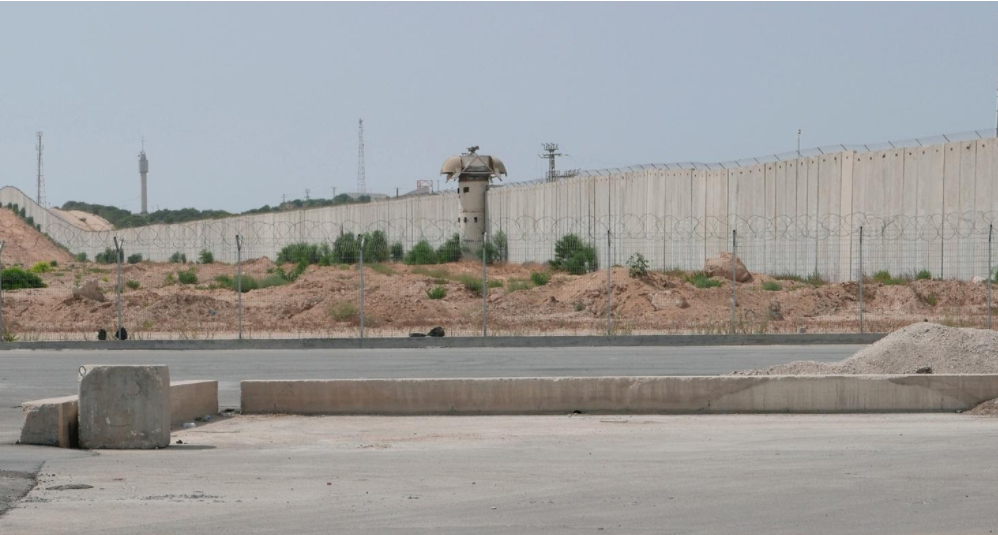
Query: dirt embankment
{"x": 22, "y": 244}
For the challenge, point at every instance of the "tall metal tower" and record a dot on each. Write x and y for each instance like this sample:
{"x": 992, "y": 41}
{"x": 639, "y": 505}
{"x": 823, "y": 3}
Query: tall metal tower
{"x": 41, "y": 176}
{"x": 143, "y": 171}
{"x": 361, "y": 171}
{"x": 552, "y": 152}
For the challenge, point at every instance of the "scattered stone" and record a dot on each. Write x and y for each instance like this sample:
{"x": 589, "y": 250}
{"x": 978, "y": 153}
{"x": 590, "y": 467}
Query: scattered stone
{"x": 924, "y": 369}
{"x": 775, "y": 313}
{"x": 436, "y": 332}
{"x": 90, "y": 290}
{"x": 180, "y": 441}
{"x": 720, "y": 267}
{"x": 73, "y": 486}
{"x": 680, "y": 302}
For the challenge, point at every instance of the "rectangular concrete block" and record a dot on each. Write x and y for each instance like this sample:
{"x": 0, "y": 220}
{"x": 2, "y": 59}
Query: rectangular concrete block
{"x": 51, "y": 422}
{"x": 125, "y": 407}
{"x": 192, "y": 399}
{"x": 730, "y": 394}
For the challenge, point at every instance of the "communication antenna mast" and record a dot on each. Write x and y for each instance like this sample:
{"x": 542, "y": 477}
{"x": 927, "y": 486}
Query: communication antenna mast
{"x": 41, "y": 176}
{"x": 361, "y": 172}
{"x": 552, "y": 152}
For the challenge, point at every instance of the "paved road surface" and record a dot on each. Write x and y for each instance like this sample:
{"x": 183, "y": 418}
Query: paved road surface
{"x": 776, "y": 474}
{"x": 27, "y": 375}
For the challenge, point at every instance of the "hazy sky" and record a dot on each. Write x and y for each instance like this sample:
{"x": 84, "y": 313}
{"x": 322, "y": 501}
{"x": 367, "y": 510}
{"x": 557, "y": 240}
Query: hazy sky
{"x": 241, "y": 103}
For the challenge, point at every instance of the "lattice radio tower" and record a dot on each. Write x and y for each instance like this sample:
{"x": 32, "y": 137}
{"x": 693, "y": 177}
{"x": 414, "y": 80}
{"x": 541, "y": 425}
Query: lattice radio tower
{"x": 361, "y": 172}
{"x": 41, "y": 176}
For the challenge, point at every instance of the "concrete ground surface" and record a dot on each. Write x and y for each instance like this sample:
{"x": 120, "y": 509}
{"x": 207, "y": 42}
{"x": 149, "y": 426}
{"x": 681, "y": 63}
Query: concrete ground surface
{"x": 27, "y": 375}
{"x": 879, "y": 474}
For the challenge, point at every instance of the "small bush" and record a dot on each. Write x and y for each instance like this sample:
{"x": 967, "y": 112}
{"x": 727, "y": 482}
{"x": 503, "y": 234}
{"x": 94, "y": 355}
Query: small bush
{"x": 206, "y": 257}
{"x": 134, "y": 285}
{"x": 437, "y": 292}
{"x": 297, "y": 253}
{"x": 384, "y": 269}
{"x": 80, "y": 257}
{"x": 579, "y": 306}
{"x": 637, "y": 266}
{"x": 248, "y": 283}
{"x": 346, "y": 249}
{"x": 272, "y": 280}
{"x": 515, "y": 285}
{"x": 540, "y": 278}
{"x": 923, "y": 275}
{"x": 450, "y": 251}
{"x": 884, "y": 277}
{"x": 815, "y": 279}
{"x": 170, "y": 279}
{"x": 789, "y": 277}
{"x": 771, "y": 286}
{"x": 135, "y": 258}
{"x": 54, "y": 263}
{"x": 702, "y": 280}
{"x": 397, "y": 252}
{"x": 501, "y": 245}
{"x": 107, "y": 257}
{"x": 473, "y": 284}
{"x": 571, "y": 254}
{"x": 188, "y": 276}
{"x": 345, "y": 311}
{"x": 178, "y": 258}
{"x": 16, "y": 279}
{"x": 375, "y": 247}
{"x": 422, "y": 254}
{"x": 931, "y": 300}
{"x": 225, "y": 280}
{"x": 41, "y": 267}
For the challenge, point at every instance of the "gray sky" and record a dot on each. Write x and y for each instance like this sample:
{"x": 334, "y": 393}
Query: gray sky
{"x": 241, "y": 103}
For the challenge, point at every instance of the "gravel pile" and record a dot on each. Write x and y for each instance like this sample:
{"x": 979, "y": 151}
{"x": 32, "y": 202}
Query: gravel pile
{"x": 944, "y": 349}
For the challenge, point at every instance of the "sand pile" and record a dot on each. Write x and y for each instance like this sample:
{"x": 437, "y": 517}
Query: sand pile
{"x": 944, "y": 349}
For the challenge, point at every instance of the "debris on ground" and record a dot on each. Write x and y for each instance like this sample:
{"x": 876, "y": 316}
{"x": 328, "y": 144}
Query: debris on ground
{"x": 917, "y": 348}
{"x": 73, "y": 486}
{"x": 988, "y": 408}
{"x": 90, "y": 290}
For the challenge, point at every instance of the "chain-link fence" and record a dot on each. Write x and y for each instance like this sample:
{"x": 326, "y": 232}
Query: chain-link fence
{"x": 600, "y": 277}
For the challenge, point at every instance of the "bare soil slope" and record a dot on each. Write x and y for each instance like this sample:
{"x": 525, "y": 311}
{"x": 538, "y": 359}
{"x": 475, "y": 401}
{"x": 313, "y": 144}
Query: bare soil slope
{"x": 25, "y": 245}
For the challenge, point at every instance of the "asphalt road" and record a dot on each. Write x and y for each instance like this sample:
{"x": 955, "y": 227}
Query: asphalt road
{"x": 773, "y": 474}
{"x": 27, "y": 375}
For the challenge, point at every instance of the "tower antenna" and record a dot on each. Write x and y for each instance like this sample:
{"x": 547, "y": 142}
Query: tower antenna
{"x": 41, "y": 176}
{"x": 361, "y": 171}
{"x": 552, "y": 152}
{"x": 143, "y": 171}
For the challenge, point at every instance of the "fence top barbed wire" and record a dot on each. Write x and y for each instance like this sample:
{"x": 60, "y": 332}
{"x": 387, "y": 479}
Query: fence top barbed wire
{"x": 969, "y": 135}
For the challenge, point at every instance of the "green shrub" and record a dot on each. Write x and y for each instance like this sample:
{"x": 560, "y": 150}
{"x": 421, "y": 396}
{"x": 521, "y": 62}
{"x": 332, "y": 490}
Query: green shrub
{"x": 178, "y": 258}
{"x": 384, "y": 269}
{"x": 515, "y": 285}
{"x": 931, "y": 300}
{"x": 574, "y": 256}
{"x": 788, "y": 277}
{"x": 206, "y": 257}
{"x": 135, "y": 258}
{"x": 188, "y": 276}
{"x": 225, "y": 280}
{"x": 107, "y": 257}
{"x": 437, "y": 292}
{"x": 81, "y": 257}
{"x": 473, "y": 284}
{"x": 54, "y": 263}
{"x": 397, "y": 252}
{"x": 41, "y": 267}
{"x": 490, "y": 254}
{"x": 272, "y": 280}
{"x": 16, "y": 279}
{"x": 134, "y": 285}
{"x": 637, "y": 266}
{"x": 540, "y": 278}
{"x": 170, "y": 279}
{"x": 375, "y": 247}
{"x": 771, "y": 286}
{"x": 815, "y": 279}
{"x": 248, "y": 283}
{"x": 297, "y": 253}
{"x": 450, "y": 251}
{"x": 422, "y": 254}
{"x": 346, "y": 249}
{"x": 501, "y": 245}
{"x": 884, "y": 277}
{"x": 344, "y": 311}
{"x": 923, "y": 275}
{"x": 702, "y": 280}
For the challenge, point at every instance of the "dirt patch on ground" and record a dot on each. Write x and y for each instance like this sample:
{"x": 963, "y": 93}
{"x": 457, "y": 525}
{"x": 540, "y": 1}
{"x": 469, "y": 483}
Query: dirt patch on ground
{"x": 913, "y": 349}
{"x": 988, "y": 408}
{"x": 324, "y": 301}
{"x": 24, "y": 245}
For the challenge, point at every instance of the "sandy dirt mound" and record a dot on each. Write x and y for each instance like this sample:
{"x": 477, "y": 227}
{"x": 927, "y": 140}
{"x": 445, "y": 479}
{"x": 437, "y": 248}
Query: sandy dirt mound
{"x": 83, "y": 220}
{"x": 944, "y": 349}
{"x": 24, "y": 245}
{"x": 988, "y": 408}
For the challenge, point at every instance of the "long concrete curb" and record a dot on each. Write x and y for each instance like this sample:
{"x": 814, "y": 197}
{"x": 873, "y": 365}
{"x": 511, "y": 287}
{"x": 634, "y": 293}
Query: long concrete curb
{"x": 666, "y": 340}
{"x": 729, "y": 394}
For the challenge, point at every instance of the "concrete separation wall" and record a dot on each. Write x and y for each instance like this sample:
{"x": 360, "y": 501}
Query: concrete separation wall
{"x": 668, "y": 340}
{"x": 192, "y": 399}
{"x": 798, "y": 394}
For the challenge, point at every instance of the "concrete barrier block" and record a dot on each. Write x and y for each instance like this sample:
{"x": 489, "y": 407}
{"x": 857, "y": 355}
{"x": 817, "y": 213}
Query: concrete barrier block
{"x": 192, "y": 399}
{"x": 728, "y": 394}
{"x": 125, "y": 407}
{"x": 51, "y": 422}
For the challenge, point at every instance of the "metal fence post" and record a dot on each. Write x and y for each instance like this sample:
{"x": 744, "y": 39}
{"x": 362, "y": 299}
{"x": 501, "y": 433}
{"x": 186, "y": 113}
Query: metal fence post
{"x": 861, "y": 279}
{"x": 485, "y": 290}
{"x": 117, "y": 253}
{"x": 239, "y": 285}
{"x": 609, "y": 285}
{"x": 361, "y": 267}
{"x": 734, "y": 268}
{"x": 991, "y": 230}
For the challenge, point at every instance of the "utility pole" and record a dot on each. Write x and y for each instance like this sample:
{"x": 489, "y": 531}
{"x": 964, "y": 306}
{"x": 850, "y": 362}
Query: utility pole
{"x": 798, "y": 142}
{"x": 552, "y": 152}
{"x": 307, "y": 192}
{"x": 40, "y": 199}
{"x": 361, "y": 171}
